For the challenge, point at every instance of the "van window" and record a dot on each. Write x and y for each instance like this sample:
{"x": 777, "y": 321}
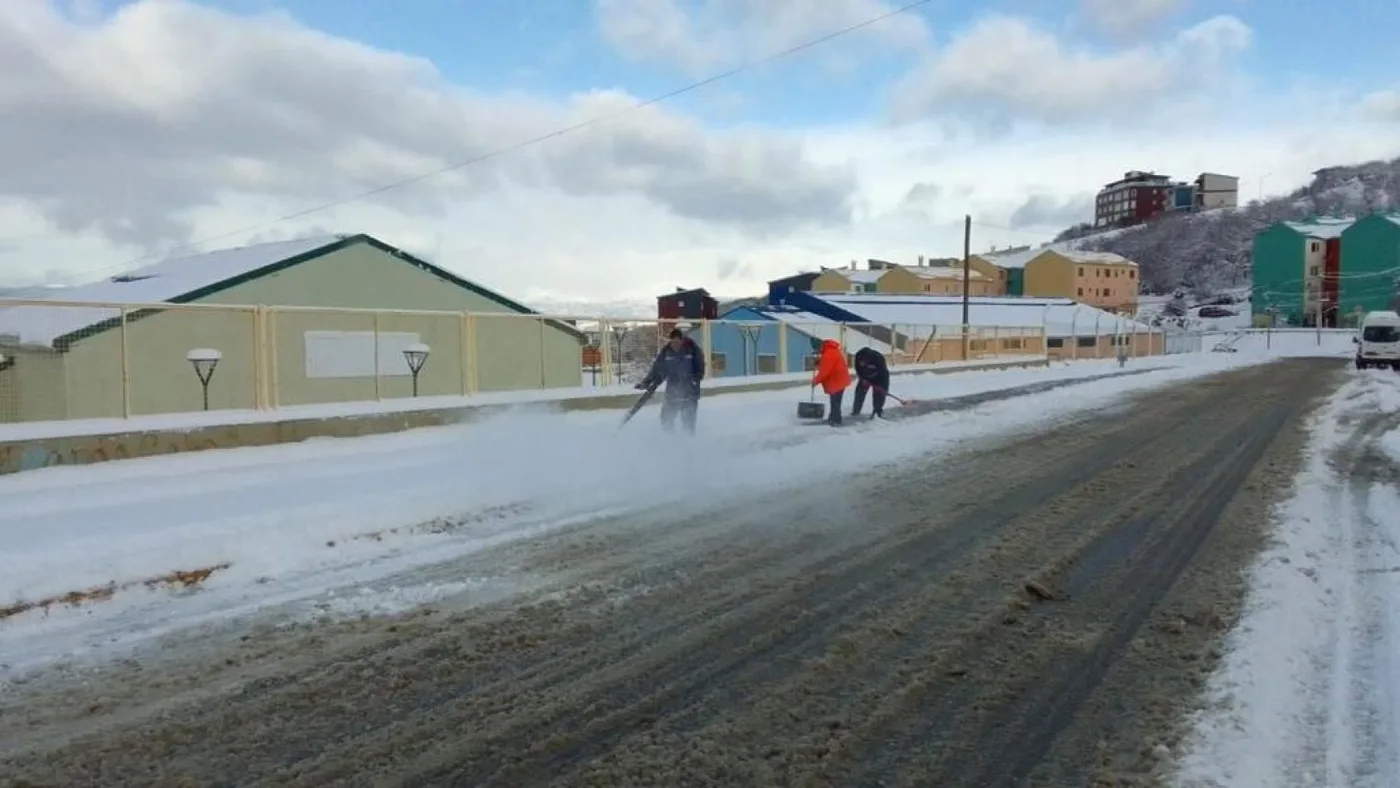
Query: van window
{"x": 1380, "y": 334}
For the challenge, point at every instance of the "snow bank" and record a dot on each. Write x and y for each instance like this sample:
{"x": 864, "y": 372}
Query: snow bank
{"x": 1289, "y": 705}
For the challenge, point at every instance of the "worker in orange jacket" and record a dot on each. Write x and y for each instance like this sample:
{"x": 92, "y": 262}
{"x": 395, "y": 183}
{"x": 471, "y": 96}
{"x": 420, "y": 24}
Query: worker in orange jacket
{"x": 832, "y": 374}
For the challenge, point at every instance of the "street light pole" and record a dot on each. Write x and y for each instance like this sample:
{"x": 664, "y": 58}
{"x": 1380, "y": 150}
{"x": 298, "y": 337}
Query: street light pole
{"x": 204, "y": 361}
{"x": 416, "y": 355}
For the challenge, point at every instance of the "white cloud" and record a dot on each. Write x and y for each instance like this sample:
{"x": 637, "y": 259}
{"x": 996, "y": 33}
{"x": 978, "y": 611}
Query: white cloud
{"x": 1128, "y": 17}
{"x": 168, "y": 122}
{"x": 1005, "y": 68}
{"x": 702, "y": 37}
{"x": 1383, "y": 105}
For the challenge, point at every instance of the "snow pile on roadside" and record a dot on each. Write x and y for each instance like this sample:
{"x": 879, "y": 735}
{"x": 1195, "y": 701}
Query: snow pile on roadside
{"x": 1299, "y": 699}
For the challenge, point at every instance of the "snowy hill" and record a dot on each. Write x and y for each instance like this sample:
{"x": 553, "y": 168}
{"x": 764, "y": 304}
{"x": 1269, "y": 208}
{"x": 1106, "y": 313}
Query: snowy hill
{"x": 1210, "y": 251}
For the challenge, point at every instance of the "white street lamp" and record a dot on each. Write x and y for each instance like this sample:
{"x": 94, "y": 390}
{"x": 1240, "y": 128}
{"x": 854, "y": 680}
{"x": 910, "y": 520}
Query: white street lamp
{"x": 416, "y": 355}
{"x": 204, "y": 360}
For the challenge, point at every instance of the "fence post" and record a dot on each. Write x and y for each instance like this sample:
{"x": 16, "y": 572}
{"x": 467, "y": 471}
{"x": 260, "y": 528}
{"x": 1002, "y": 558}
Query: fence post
{"x": 259, "y": 360}
{"x": 782, "y": 348}
{"x": 473, "y": 367}
{"x": 544, "y": 367}
{"x": 463, "y": 338}
{"x": 126, "y": 368}
{"x": 271, "y": 335}
{"x": 377, "y": 393}
{"x": 605, "y": 350}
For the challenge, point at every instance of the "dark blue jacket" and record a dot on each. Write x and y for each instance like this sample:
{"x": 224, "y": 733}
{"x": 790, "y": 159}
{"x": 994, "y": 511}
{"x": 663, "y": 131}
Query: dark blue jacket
{"x": 681, "y": 370}
{"x": 871, "y": 367}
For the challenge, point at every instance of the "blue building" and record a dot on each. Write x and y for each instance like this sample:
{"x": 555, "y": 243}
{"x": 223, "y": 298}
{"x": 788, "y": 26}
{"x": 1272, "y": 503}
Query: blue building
{"x": 751, "y": 345}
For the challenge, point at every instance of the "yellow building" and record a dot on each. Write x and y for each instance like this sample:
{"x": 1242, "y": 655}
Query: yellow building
{"x": 848, "y": 280}
{"x": 930, "y": 280}
{"x": 1100, "y": 279}
{"x": 1103, "y": 280}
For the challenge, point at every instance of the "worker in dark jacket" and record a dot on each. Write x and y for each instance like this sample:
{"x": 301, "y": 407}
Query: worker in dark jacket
{"x": 871, "y": 372}
{"x": 681, "y": 366}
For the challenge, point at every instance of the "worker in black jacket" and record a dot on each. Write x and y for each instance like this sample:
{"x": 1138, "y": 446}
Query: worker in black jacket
{"x": 871, "y": 372}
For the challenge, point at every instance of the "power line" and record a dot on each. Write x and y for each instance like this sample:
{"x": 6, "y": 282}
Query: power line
{"x": 499, "y": 152}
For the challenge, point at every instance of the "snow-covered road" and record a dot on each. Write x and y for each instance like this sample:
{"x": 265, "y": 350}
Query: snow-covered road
{"x": 1308, "y": 695}
{"x": 305, "y": 523}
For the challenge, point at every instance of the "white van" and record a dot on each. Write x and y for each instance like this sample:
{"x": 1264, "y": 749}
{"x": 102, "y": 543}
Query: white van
{"x": 1378, "y": 344}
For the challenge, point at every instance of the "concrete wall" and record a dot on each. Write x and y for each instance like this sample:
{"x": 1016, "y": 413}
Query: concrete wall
{"x": 17, "y": 456}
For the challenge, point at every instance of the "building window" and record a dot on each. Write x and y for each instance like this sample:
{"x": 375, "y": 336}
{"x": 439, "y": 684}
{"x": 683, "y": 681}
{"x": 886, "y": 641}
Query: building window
{"x": 809, "y": 363}
{"x": 717, "y": 363}
{"x": 1054, "y": 342}
{"x": 1132, "y": 274}
{"x": 1313, "y": 246}
{"x": 1312, "y": 271}
{"x": 977, "y": 345}
{"x": 1015, "y": 343}
{"x": 1081, "y": 270}
{"x": 1087, "y": 341}
{"x": 767, "y": 363}
{"x": 1081, "y": 291}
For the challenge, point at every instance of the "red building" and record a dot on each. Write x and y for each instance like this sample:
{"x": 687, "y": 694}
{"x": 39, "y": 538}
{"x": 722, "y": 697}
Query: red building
{"x": 1134, "y": 199}
{"x": 684, "y": 304}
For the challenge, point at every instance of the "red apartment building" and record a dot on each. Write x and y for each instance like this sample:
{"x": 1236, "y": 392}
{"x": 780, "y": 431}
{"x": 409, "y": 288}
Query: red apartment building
{"x": 1133, "y": 199}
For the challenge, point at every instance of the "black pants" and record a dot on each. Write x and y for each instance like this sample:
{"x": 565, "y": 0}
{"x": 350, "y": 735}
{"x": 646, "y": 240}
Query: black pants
{"x": 877, "y": 400}
{"x": 834, "y": 416}
{"x": 685, "y": 407}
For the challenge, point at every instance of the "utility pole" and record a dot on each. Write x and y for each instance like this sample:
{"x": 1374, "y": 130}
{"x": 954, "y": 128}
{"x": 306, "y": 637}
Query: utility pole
{"x": 967, "y": 276}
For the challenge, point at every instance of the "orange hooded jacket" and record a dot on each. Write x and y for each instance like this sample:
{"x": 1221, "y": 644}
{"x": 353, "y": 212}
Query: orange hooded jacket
{"x": 832, "y": 372}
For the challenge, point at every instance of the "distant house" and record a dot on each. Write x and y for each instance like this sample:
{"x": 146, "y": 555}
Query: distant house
{"x": 797, "y": 283}
{"x": 695, "y": 304}
{"x": 883, "y": 277}
{"x": 1370, "y": 264}
{"x": 1099, "y": 279}
{"x": 67, "y": 361}
{"x": 1297, "y": 270}
{"x": 928, "y": 328}
{"x": 764, "y": 340}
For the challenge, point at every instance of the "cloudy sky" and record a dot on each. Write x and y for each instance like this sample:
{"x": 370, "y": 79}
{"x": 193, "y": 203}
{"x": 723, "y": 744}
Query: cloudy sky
{"x": 130, "y": 129}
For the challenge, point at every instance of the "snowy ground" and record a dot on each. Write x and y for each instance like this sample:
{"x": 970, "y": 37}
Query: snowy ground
{"x": 309, "y": 525}
{"x": 1308, "y": 695}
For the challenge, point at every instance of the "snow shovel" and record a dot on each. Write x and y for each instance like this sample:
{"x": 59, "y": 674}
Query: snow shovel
{"x": 811, "y": 409}
{"x": 905, "y": 402}
{"x": 636, "y": 406}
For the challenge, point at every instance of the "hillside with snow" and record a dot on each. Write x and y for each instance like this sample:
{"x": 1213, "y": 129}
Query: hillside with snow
{"x": 1210, "y": 251}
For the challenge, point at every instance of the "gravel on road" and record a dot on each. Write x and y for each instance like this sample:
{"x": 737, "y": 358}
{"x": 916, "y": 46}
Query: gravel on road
{"x": 1038, "y": 612}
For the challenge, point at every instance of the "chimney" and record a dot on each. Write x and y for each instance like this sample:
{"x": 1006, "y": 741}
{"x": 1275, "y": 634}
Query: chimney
{"x": 853, "y": 265}
{"x": 921, "y": 261}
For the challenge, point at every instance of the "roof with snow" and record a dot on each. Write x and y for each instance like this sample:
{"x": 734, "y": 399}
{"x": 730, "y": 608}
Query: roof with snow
{"x": 184, "y": 280}
{"x": 813, "y": 325}
{"x": 1321, "y": 227}
{"x": 1021, "y": 258}
{"x": 1061, "y": 317}
{"x": 943, "y": 272}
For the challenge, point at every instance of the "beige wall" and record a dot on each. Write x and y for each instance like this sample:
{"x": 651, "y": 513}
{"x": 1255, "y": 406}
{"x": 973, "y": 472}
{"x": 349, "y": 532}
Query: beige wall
{"x": 1048, "y": 275}
{"x": 996, "y": 277}
{"x": 1109, "y": 286}
{"x": 32, "y": 389}
{"x": 1314, "y": 264}
{"x": 899, "y": 280}
{"x": 1104, "y": 347}
{"x": 831, "y": 282}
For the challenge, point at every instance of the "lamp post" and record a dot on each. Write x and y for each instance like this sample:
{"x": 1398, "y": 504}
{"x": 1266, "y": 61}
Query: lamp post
{"x": 416, "y": 355}
{"x": 204, "y": 360}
